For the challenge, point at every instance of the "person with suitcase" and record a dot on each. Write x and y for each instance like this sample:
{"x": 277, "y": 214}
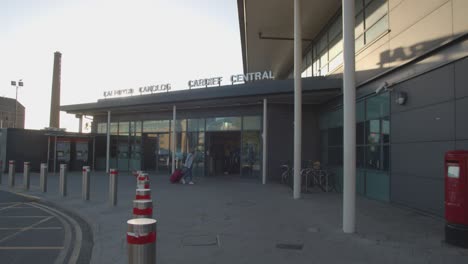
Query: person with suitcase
{"x": 187, "y": 176}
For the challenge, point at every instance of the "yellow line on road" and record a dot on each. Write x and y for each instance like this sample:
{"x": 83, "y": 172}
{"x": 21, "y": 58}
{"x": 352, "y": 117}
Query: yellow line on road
{"x": 31, "y": 248}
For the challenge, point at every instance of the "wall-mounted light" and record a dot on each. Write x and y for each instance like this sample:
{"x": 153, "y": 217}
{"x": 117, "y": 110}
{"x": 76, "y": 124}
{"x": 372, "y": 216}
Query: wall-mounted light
{"x": 401, "y": 98}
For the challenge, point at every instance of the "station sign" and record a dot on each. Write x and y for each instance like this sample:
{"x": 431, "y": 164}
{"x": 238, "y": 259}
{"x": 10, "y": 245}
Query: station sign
{"x": 198, "y": 83}
{"x": 141, "y": 90}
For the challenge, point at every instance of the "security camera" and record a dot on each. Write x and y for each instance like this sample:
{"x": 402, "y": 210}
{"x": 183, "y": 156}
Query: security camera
{"x": 381, "y": 88}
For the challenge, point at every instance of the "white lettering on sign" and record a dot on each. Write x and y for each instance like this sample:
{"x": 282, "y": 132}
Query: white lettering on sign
{"x": 118, "y": 92}
{"x": 216, "y": 81}
{"x": 252, "y": 76}
{"x": 155, "y": 88}
{"x": 143, "y": 90}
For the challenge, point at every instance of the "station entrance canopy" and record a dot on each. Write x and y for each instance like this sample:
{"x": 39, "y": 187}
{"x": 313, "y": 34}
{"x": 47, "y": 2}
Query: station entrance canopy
{"x": 316, "y": 90}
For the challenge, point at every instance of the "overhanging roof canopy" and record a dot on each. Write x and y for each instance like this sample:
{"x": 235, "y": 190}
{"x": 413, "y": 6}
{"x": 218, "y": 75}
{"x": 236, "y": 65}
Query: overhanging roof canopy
{"x": 275, "y": 18}
{"x": 316, "y": 90}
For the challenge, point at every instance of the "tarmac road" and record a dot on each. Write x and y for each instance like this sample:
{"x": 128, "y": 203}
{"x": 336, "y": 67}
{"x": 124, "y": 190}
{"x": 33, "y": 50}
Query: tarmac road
{"x": 32, "y": 231}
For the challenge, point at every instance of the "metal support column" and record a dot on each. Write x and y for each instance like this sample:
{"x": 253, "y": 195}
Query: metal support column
{"x": 108, "y": 141}
{"x": 265, "y": 141}
{"x": 349, "y": 109}
{"x": 297, "y": 99}
{"x": 173, "y": 137}
{"x": 80, "y": 124}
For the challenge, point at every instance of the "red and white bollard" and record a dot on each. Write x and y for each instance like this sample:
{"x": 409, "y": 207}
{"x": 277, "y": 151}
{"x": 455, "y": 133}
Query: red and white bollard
{"x": 141, "y": 241}
{"x": 142, "y": 208}
{"x": 113, "y": 173}
{"x": 144, "y": 184}
{"x": 143, "y": 194}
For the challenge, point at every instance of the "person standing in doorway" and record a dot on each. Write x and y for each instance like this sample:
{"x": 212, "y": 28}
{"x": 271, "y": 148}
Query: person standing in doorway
{"x": 189, "y": 165}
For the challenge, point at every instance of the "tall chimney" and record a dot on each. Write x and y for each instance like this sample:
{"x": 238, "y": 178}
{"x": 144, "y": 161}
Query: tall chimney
{"x": 55, "y": 97}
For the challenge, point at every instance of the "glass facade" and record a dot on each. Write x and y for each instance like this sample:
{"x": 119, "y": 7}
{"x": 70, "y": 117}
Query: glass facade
{"x": 326, "y": 52}
{"x": 146, "y": 145}
{"x": 372, "y": 145}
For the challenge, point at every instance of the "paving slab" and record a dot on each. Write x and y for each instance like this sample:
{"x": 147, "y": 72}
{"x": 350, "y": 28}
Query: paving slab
{"x": 233, "y": 220}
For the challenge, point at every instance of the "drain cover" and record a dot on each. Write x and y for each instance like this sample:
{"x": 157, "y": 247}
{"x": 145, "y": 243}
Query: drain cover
{"x": 290, "y": 246}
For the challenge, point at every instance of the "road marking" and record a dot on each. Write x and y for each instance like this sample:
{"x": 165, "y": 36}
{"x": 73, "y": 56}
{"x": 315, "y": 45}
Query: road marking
{"x": 31, "y": 248}
{"x": 26, "y": 229}
{"x": 68, "y": 235}
{"x": 34, "y": 228}
{"x": 23, "y": 216}
{"x": 11, "y": 206}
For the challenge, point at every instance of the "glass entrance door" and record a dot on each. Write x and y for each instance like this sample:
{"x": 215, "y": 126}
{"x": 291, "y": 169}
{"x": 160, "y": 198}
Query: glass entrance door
{"x": 156, "y": 152}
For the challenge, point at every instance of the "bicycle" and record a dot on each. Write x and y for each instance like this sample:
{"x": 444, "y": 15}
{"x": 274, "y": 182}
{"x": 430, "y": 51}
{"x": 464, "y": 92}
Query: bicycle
{"x": 286, "y": 175}
{"x": 320, "y": 177}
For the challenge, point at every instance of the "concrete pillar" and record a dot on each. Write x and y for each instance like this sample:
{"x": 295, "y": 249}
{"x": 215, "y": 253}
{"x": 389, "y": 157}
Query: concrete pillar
{"x": 108, "y": 141}
{"x": 55, "y": 97}
{"x": 297, "y": 99}
{"x": 80, "y": 123}
{"x": 349, "y": 109}
{"x": 265, "y": 141}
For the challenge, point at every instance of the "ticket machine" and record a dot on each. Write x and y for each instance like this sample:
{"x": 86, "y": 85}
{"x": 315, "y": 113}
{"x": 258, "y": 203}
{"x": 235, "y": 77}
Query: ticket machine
{"x": 63, "y": 151}
{"x": 456, "y": 198}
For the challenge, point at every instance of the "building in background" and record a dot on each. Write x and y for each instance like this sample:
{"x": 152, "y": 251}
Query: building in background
{"x": 412, "y": 99}
{"x": 412, "y": 86}
{"x": 7, "y": 113}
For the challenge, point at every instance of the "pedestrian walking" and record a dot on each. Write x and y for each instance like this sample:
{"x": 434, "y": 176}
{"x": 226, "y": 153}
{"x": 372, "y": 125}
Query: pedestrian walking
{"x": 188, "y": 168}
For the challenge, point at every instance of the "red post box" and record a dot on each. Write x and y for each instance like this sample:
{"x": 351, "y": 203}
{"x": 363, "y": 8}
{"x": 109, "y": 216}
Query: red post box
{"x": 456, "y": 198}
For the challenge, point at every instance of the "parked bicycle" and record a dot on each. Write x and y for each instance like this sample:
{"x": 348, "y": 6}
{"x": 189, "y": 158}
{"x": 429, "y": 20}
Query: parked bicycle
{"x": 320, "y": 177}
{"x": 287, "y": 175}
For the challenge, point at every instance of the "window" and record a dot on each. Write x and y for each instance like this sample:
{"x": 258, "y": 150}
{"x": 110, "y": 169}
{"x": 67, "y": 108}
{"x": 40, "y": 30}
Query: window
{"x": 102, "y": 128}
{"x": 326, "y": 51}
{"x": 156, "y": 126}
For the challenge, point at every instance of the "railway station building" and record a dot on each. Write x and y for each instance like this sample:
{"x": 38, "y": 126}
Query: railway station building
{"x": 411, "y": 101}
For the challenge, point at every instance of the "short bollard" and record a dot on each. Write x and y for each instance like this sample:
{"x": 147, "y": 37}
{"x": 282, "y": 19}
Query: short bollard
{"x": 113, "y": 187}
{"x": 144, "y": 184}
{"x": 141, "y": 241}
{"x": 43, "y": 177}
{"x": 143, "y": 176}
{"x": 26, "y": 175}
{"x": 143, "y": 194}
{"x": 11, "y": 173}
{"x": 85, "y": 183}
{"x": 63, "y": 180}
{"x": 142, "y": 208}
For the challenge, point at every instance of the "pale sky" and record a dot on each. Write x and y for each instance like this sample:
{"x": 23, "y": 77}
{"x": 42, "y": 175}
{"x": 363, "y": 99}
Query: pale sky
{"x": 112, "y": 44}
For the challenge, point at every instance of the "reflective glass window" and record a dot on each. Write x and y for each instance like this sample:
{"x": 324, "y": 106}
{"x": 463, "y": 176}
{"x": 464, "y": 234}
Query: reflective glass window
{"x": 252, "y": 123}
{"x": 223, "y": 123}
{"x": 156, "y": 126}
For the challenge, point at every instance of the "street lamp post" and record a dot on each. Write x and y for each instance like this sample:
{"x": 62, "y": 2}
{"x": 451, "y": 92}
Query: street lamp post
{"x": 16, "y": 84}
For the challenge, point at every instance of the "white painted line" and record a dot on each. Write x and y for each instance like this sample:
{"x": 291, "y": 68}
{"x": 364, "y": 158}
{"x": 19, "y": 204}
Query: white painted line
{"x": 24, "y": 216}
{"x": 31, "y": 248}
{"x": 25, "y": 229}
{"x": 34, "y": 228}
{"x": 78, "y": 234}
{"x": 10, "y": 206}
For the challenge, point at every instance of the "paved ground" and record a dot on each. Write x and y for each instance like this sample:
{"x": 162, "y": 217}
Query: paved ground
{"x": 229, "y": 220}
{"x": 32, "y": 232}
